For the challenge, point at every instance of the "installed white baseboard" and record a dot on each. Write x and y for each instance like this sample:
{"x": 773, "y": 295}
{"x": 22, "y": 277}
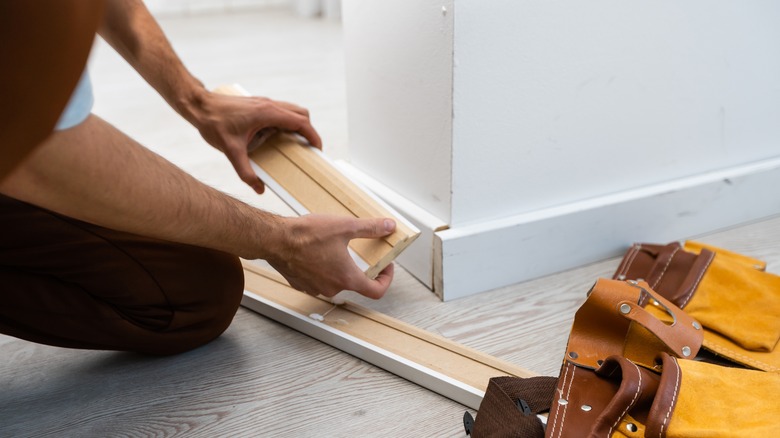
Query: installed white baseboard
{"x": 478, "y": 257}
{"x": 488, "y": 255}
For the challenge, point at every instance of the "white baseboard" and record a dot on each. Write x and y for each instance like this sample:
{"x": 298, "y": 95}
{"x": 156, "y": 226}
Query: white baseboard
{"x": 460, "y": 261}
{"x": 488, "y": 255}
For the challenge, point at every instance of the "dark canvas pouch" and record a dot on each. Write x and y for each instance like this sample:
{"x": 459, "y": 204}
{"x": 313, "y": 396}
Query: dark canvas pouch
{"x": 511, "y": 405}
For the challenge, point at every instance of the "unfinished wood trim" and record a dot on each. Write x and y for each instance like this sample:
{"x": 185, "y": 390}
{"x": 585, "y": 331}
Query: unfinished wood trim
{"x": 309, "y": 183}
{"x": 434, "y": 362}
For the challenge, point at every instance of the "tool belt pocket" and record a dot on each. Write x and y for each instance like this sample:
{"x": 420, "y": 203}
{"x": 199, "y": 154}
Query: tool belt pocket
{"x": 685, "y": 399}
{"x": 627, "y": 318}
{"x": 732, "y": 296}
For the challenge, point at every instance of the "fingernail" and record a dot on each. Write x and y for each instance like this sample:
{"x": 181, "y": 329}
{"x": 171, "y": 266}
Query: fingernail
{"x": 389, "y": 225}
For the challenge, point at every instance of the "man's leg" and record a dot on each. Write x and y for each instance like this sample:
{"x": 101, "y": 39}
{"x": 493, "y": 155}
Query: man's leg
{"x": 68, "y": 283}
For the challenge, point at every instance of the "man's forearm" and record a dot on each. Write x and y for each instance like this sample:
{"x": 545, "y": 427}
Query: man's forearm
{"x": 95, "y": 173}
{"x": 133, "y": 33}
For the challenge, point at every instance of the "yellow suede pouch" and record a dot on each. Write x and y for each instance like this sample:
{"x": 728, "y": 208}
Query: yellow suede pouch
{"x": 687, "y": 399}
{"x": 737, "y": 299}
{"x": 730, "y": 294}
{"x": 714, "y": 401}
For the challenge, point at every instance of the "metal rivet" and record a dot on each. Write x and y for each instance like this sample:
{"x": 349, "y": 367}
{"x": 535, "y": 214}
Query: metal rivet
{"x": 686, "y": 351}
{"x": 573, "y": 354}
{"x": 563, "y": 401}
{"x": 656, "y": 303}
{"x": 632, "y": 282}
{"x": 631, "y": 427}
{"x": 586, "y": 408}
{"x": 621, "y": 277}
{"x": 696, "y": 325}
{"x": 625, "y": 309}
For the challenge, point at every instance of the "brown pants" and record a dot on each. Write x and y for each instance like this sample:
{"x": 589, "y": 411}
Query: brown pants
{"x": 67, "y": 283}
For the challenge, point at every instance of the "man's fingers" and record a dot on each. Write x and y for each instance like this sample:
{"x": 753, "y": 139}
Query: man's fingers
{"x": 377, "y": 287}
{"x": 294, "y": 122}
{"x": 244, "y": 170}
{"x": 373, "y": 228}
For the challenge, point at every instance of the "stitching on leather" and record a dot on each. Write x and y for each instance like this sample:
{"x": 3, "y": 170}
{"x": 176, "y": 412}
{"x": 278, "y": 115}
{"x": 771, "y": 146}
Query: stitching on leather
{"x": 559, "y": 417}
{"x": 696, "y": 284}
{"x": 630, "y": 259}
{"x": 668, "y": 262}
{"x": 568, "y": 393}
{"x": 558, "y": 405}
{"x": 674, "y": 398}
{"x": 630, "y": 405}
{"x": 745, "y": 359}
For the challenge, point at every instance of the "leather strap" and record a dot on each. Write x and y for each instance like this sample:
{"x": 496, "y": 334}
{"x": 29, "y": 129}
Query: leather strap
{"x": 680, "y": 335}
{"x": 613, "y": 322}
{"x": 668, "y": 269}
{"x": 661, "y": 411}
{"x": 635, "y": 394}
{"x": 580, "y": 397}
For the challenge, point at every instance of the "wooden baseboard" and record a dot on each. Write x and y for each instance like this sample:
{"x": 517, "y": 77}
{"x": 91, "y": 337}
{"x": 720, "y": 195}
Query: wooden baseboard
{"x": 434, "y": 362}
{"x": 309, "y": 183}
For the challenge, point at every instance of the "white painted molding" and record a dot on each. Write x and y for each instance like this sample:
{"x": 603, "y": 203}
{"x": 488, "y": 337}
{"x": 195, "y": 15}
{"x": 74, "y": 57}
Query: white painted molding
{"x": 497, "y": 253}
{"x": 457, "y": 262}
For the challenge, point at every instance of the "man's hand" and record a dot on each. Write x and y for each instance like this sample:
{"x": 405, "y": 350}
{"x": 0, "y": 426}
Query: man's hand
{"x": 230, "y": 123}
{"x": 315, "y": 259}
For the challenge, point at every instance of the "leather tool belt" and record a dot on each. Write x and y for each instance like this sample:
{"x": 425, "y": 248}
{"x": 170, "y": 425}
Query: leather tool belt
{"x": 680, "y": 343}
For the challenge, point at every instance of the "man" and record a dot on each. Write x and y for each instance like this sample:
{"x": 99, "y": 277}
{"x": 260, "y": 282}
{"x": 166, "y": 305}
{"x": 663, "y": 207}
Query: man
{"x": 106, "y": 245}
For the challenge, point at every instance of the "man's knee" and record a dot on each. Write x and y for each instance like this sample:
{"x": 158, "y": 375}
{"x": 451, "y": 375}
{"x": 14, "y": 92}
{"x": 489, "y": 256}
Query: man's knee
{"x": 214, "y": 287}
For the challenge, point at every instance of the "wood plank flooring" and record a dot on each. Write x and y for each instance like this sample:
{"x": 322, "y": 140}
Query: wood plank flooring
{"x": 260, "y": 378}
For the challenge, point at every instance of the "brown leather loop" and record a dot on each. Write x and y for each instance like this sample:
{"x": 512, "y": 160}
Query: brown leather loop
{"x": 659, "y": 417}
{"x": 637, "y": 388}
{"x": 676, "y": 335}
{"x": 669, "y": 269}
{"x": 600, "y": 329}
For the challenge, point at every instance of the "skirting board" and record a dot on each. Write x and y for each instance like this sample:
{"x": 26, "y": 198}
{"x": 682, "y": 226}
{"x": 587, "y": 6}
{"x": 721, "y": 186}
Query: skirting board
{"x": 304, "y": 178}
{"x": 494, "y": 254}
{"x": 478, "y": 257}
{"x": 436, "y": 363}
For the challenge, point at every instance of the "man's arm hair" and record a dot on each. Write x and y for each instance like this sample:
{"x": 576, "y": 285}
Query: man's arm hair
{"x": 130, "y": 29}
{"x": 229, "y": 123}
{"x": 94, "y": 173}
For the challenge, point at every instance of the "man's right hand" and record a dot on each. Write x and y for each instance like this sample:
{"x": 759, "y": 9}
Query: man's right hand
{"x": 314, "y": 256}
{"x": 230, "y": 123}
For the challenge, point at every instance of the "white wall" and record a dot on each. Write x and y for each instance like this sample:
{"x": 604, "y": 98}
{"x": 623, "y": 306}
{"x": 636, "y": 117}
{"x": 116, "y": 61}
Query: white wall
{"x": 527, "y": 126}
{"x": 399, "y": 96}
{"x": 560, "y": 101}
{"x": 166, "y": 8}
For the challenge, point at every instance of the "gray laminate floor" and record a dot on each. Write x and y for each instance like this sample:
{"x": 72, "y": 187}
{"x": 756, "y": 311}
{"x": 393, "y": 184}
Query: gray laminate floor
{"x": 260, "y": 378}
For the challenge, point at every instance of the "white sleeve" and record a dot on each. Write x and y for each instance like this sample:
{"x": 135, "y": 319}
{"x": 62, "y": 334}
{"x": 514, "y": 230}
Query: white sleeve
{"x": 79, "y": 106}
